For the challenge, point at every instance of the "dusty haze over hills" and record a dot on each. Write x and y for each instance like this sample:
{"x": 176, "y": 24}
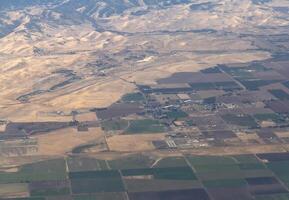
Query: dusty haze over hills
{"x": 58, "y": 56}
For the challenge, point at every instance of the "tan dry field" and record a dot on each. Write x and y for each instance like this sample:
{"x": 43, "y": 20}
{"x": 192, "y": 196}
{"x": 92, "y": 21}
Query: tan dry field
{"x": 282, "y": 134}
{"x": 63, "y": 141}
{"x": 86, "y": 117}
{"x": 217, "y": 151}
{"x": 2, "y": 127}
{"x": 12, "y": 163}
{"x": 183, "y": 96}
{"x": 14, "y": 190}
{"x": 249, "y": 137}
{"x": 265, "y": 124}
{"x": 214, "y": 151}
{"x": 238, "y": 150}
{"x": 133, "y": 143}
{"x": 36, "y": 72}
{"x": 101, "y": 95}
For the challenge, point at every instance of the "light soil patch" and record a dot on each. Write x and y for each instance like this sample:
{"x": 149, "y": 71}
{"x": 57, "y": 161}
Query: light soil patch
{"x": 63, "y": 141}
{"x": 247, "y": 138}
{"x": 32, "y": 113}
{"x": 86, "y": 117}
{"x": 265, "y": 124}
{"x": 14, "y": 190}
{"x": 282, "y": 134}
{"x": 11, "y": 170}
{"x": 13, "y": 163}
{"x": 252, "y": 149}
{"x": 133, "y": 143}
{"x": 98, "y": 95}
{"x": 2, "y": 127}
{"x": 184, "y": 96}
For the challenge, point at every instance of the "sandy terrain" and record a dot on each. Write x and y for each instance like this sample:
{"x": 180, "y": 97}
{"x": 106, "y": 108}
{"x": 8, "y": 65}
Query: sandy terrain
{"x": 133, "y": 143}
{"x": 86, "y": 117}
{"x": 63, "y": 141}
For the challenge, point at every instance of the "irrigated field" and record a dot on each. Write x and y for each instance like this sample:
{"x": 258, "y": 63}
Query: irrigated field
{"x": 148, "y": 176}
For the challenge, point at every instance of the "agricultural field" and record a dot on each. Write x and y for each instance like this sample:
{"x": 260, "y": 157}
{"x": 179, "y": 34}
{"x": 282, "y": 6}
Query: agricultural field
{"x": 144, "y": 100}
{"x": 145, "y": 126}
{"x": 246, "y": 121}
{"x": 41, "y": 171}
{"x": 225, "y": 105}
{"x": 133, "y": 97}
{"x": 138, "y": 126}
{"x": 143, "y": 176}
{"x": 114, "y": 125}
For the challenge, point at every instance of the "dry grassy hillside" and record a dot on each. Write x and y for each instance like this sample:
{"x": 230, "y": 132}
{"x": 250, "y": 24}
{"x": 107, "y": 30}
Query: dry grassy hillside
{"x": 68, "y": 55}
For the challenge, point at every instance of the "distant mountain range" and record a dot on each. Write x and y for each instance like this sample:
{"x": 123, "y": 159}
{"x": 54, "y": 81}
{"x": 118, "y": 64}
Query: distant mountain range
{"x": 107, "y": 7}
{"x": 104, "y": 7}
{"x": 78, "y": 11}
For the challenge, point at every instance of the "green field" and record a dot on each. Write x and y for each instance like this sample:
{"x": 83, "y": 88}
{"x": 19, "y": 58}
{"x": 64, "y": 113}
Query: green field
{"x": 251, "y": 166}
{"x": 142, "y": 185}
{"x": 101, "y": 196}
{"x": 220, "y": 175}
{"x": 131, "y": 162}
{"x": 94, "y": 179}
{"x": 86, "y": 164}
{"x": 281, "y": 170}
{"x": 171, "y": 162}
{"x": 45, "y": 170}
{"x": 133, "y": 97}
{"x": 171, "y": 173}
{"x": 255, "y": 84}
{"x": 211, "y": 70}
{"x": 145, "y": 126}
{"x": 246, "y": 158}
{"x": 269, "y": 116}
{"x": 50, "y": 192}
{"x": 211, "y": 160}
{"x": 213, "y": 168}
{"x": 88, "y": 186}
{"x": 210, "y": 100}
{"x": 216, "y": 168}
{"x": 174, "y": 173}
{"x": 94, "y": 174}
{"x": 114, "y": 125}
{"x": 177, "y": 114}
{"x": 225, "y": 183}
{"x": 280, "y": 94}
{"x": 203, "y": 86}
{"x": 273, "y": 197}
